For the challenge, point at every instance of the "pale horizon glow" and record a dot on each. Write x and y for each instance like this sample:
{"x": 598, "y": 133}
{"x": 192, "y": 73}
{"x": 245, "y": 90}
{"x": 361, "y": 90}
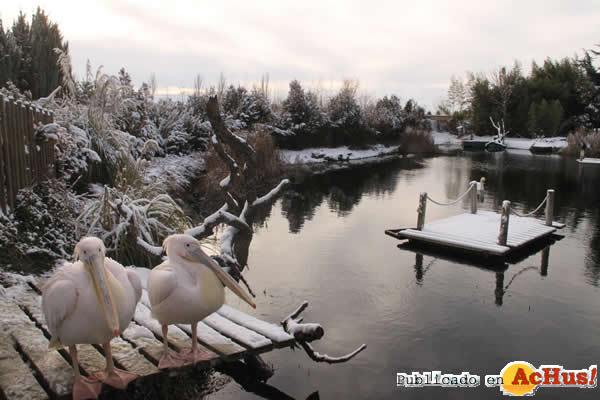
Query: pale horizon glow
{"x": 402, "y": 47}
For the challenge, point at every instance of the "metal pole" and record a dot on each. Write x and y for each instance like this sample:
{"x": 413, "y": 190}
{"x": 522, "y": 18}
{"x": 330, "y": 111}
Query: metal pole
{"x": 473, "y": 197}
{"x": 550, "y": 207}
{"x": 421, "y": 210}
{"x": 503, "y": 236}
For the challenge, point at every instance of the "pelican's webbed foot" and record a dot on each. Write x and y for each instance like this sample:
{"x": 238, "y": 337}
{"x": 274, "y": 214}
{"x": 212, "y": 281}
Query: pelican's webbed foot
{"x": 86, "y": 388}
{"x": 193, "y": 356}
{"x": 171, "y": 359}
{"x": 116, "y": 378}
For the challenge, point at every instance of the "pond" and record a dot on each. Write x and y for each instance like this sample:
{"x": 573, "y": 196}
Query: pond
{"x": 324, "y": 242}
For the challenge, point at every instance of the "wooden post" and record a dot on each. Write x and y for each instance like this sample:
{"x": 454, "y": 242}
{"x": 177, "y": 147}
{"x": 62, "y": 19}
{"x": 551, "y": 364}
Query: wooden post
{"x": 549, "y": 207}
{"x": 503, "y": 236}
{"x": 421, "y": 210}
{"x": 473, "y": 197}
{"x": 3, "y": 194}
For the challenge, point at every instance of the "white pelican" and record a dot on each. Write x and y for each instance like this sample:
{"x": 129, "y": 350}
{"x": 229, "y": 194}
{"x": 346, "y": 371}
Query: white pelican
{"x": 481, "y": 185}
{"x": 185, "y": 289}
{"x": 91, "y": 301}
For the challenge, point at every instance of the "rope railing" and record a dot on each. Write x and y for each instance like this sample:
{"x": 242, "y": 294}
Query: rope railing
{"x": 529, "y": 214}
{"x": 439, "y": 203}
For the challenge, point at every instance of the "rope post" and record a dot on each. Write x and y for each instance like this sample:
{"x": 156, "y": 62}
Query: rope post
{"x": 549, "y": 207}
{"x": 503, "y": 236}
{"x": 473, "y": 197}
{"x": 421, "y": 211}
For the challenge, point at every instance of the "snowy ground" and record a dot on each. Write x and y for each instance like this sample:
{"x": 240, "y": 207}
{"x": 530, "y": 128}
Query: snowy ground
{"x": 447, "y": 139}
{"x": 321, "y": 154}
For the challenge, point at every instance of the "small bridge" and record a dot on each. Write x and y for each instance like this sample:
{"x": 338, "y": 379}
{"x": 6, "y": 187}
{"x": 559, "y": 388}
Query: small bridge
{"x": 29, "y": 370}
{"x": 483, "y": 233}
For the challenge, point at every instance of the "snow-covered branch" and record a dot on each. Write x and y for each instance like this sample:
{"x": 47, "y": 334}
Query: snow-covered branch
{"x": 274, "y": 192}
{"x": 305, "y": 333}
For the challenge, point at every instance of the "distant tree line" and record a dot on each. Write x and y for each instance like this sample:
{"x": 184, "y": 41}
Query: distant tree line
{"x": 27, "y": 54}
{"x": 554, "y": 99}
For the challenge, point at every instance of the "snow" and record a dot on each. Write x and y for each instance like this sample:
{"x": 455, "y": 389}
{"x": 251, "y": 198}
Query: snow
{"x": 271, "y": 331}
{"x": 445, "y": 138}
{"x": 588, "y": 160}
{"x": 323, "y": 154}
{"x": 272, "y": 193}
{"x": 173, "y": 171}
{"x": 239, "y": 333}
{"x": 135, "y": 331}
{"x": 225, "y": 182}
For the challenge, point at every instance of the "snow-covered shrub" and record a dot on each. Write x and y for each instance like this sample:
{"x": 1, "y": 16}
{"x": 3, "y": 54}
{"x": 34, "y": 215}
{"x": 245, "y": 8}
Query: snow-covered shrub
{"x": 387, "y": 118}
{"x": 42, "y": 228}
{"x": 417, "y": 141}
{"x": 301, "y": 116}
{"x": 575, "y": 140}
{"x": 122, "y": 219}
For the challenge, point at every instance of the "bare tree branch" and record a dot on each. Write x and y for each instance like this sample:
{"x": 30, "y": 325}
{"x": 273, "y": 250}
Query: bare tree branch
{"x": 305, "y": 333}
{"x": 318, "y": 357}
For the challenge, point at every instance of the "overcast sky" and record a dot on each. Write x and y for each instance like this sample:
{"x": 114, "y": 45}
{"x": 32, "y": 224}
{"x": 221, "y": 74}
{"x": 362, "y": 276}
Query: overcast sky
{"x": 407, "y": 48}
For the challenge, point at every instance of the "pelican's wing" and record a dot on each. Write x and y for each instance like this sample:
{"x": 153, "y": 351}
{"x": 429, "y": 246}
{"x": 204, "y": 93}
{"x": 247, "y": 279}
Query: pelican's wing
{"x": 136, "y": 283}
{"x": 162, "y": 281}
{"x": 59, "y": 300}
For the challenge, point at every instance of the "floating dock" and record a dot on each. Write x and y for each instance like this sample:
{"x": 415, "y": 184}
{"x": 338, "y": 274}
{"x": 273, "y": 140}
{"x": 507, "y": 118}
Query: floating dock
{"x": 29, "y": 370}
{"x": 589, "y": 160}
{"x": 483, "y": 233}
{"x": 478, "y": 233}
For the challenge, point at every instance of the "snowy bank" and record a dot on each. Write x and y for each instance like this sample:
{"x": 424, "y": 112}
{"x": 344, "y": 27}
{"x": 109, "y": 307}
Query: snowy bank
{"x": 322, "y": 155}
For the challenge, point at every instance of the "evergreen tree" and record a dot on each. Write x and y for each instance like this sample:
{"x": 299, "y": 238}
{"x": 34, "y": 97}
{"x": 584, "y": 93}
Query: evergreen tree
{"x": 28, "y": 56}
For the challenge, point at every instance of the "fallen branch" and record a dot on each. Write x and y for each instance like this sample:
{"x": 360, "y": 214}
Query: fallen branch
{"x": 305, "y": 333}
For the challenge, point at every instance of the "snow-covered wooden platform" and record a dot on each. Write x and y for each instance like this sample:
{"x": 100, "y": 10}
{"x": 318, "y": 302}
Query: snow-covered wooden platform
{"x": 478, "y": 232}
{"x": 589, "y": 160}
{"x": 29, "y": 370}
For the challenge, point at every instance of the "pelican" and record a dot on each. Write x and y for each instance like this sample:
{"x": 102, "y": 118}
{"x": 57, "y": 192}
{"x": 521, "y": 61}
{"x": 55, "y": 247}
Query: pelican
{"x": 185, "y": 289}
{"x": 91, "y": 301}
{"x": 481, "y": 184}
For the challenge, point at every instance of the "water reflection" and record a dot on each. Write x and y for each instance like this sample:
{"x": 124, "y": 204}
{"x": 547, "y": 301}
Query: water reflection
{"x": 420, "y": 311}
{"x": 342, "y": 190}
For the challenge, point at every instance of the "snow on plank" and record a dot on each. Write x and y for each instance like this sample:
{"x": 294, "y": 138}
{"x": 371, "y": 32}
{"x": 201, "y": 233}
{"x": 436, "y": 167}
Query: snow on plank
{"x": 238, "y": 333}
{"x": 176, "y": 336}
{"x": 16, "y": 379}
{"x": 272, "y": 331}
{"x": 206, "y": 334}
{"x": 144, "y": 341}
{"x": 52, "y": 366}
{"x": 214, "y": 339}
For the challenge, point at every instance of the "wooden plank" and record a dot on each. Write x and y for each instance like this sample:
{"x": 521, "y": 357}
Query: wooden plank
{"x": 272, "y": 331}
{"x": 238, "y": 333}
{"x": 3, "y": 194}
{"x": 144, "y": 341}
{"x": 131, "y": 359}
{"x": 214, "y": 340}
{"x": 176, "y": 337}
{"x": 26, "y": 132}
{"x": 446, "y": 240}
{"x": 11, "y": 155}
{"x": 206, "y": 334}
{"x": 16, "y": 379}
{"x": 56, "y": 372}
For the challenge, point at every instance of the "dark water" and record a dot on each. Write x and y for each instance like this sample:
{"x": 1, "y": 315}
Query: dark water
{"x": 324, "y": 243}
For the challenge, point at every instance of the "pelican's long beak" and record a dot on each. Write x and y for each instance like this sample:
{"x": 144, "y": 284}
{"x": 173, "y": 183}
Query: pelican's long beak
{"x": 95, "y": 266}
{"x": 199, "y": 256}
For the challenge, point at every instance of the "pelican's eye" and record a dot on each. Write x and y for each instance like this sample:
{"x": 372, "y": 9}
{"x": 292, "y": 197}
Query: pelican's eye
{"x": 187, "y": 245}
{"x": 99, "y": 251}
{"x": 84, "y": 252}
